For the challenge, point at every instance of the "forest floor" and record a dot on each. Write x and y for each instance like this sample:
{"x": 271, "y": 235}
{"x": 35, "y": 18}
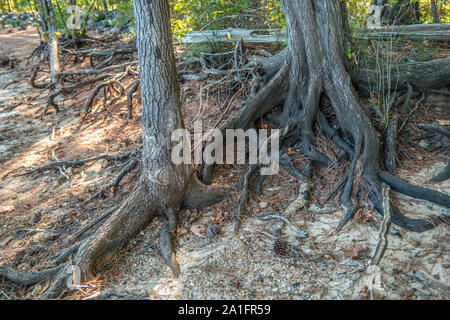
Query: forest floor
{"x": 38, "y": 211}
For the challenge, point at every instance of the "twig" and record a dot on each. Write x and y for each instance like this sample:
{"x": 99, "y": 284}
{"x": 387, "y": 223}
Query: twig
{"x": 130, "y": 165}
{"x": 244, "y": 196}
{"x": 435, "y": 128}
{"x": 92, "y": 223}
{"x": 61, "y": 164}
{"x": 294, "y": 228}
{"x": 411, "y": 113}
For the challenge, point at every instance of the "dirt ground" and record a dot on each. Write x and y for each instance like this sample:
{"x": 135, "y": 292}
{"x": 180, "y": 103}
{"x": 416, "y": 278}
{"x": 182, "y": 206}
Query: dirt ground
{"x": 38, "y": 211}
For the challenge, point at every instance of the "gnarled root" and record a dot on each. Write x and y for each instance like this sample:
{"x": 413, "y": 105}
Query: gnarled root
{"x": 315, "y": 70}
{"x": 121, "y": 226}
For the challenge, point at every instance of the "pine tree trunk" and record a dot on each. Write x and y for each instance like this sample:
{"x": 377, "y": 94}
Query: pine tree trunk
{"x": 163, "y": 187}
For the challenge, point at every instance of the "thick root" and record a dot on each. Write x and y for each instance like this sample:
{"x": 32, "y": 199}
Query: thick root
{"x": 26, "y": 278}
{"x": 444, "y": 175}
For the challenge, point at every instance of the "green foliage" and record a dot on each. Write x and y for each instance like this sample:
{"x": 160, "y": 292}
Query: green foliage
{"x": 357, "y": 12}
{"x": 190, "y": 15}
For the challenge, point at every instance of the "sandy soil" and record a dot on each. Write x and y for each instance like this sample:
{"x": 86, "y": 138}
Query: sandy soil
{"x": 38, "y": 211}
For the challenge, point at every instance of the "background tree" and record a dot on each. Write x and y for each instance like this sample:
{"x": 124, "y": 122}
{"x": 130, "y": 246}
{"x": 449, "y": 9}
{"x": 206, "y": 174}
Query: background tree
{"x": 48, "y": 23}
{"x": 434, "y": 11}
{"x": 399, "y": 11}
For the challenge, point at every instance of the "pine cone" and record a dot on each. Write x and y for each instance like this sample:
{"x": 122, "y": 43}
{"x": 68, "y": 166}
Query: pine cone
{"x": 280, "y": 247}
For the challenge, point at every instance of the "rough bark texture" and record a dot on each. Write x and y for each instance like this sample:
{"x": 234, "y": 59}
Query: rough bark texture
{"x": 420, "y": 75}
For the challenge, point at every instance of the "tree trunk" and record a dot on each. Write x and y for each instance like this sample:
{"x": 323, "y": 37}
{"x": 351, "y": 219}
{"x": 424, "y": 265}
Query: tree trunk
{"x": 164, "y": 187}
{"x": 162, "y": 184}
{"x": 105, "y": 6}
{"x": 49, "y": 26}
{"x": 316, "y": 67}
{"x": 434, "y": 11}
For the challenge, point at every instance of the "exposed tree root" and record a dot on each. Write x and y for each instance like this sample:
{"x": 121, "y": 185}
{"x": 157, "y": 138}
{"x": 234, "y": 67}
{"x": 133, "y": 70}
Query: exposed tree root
{"x": 63, "y": 256}
{"x": 93, "y": 223}
{"x": 390, "y": 149}
{"x": 108, "y": 83}
{"x": 287, "y": 163}
{"x": 411, "y": 190}
{"x": 166, "y": 242}
{"x": 303, "y": 195}
{"x": 108, "y": 294}
{"x": 411, "y": 112}
{"x": 26, "y": 278}
{"x": 68, "y": 89}
{"x": 112, "y": 187}
{"x": 287, "y": 222}
{"x": 33, "y": 80}
{"x": 384, "y": 228}
{"x": 436, "y": 128}
{"x": 244, "y": 196}
{"x": 60, "y": 164}
{"x": 336, "y": 189}
{"x": 110, "y": 74}
{"x": 349, "y": 202}
{"x": 301, "y": 93}
{"x": 444, "y": 175}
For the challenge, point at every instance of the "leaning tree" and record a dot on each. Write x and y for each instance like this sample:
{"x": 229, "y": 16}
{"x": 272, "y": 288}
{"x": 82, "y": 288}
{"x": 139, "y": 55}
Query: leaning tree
{"x": 312, "y": 70}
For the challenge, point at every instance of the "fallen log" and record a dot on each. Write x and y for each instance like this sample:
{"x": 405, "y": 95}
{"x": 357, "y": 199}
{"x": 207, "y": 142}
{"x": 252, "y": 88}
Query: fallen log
{"x": 420, "y": 75}
{"x": 233, "y": 35}
{"x": 435, "y": 32}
